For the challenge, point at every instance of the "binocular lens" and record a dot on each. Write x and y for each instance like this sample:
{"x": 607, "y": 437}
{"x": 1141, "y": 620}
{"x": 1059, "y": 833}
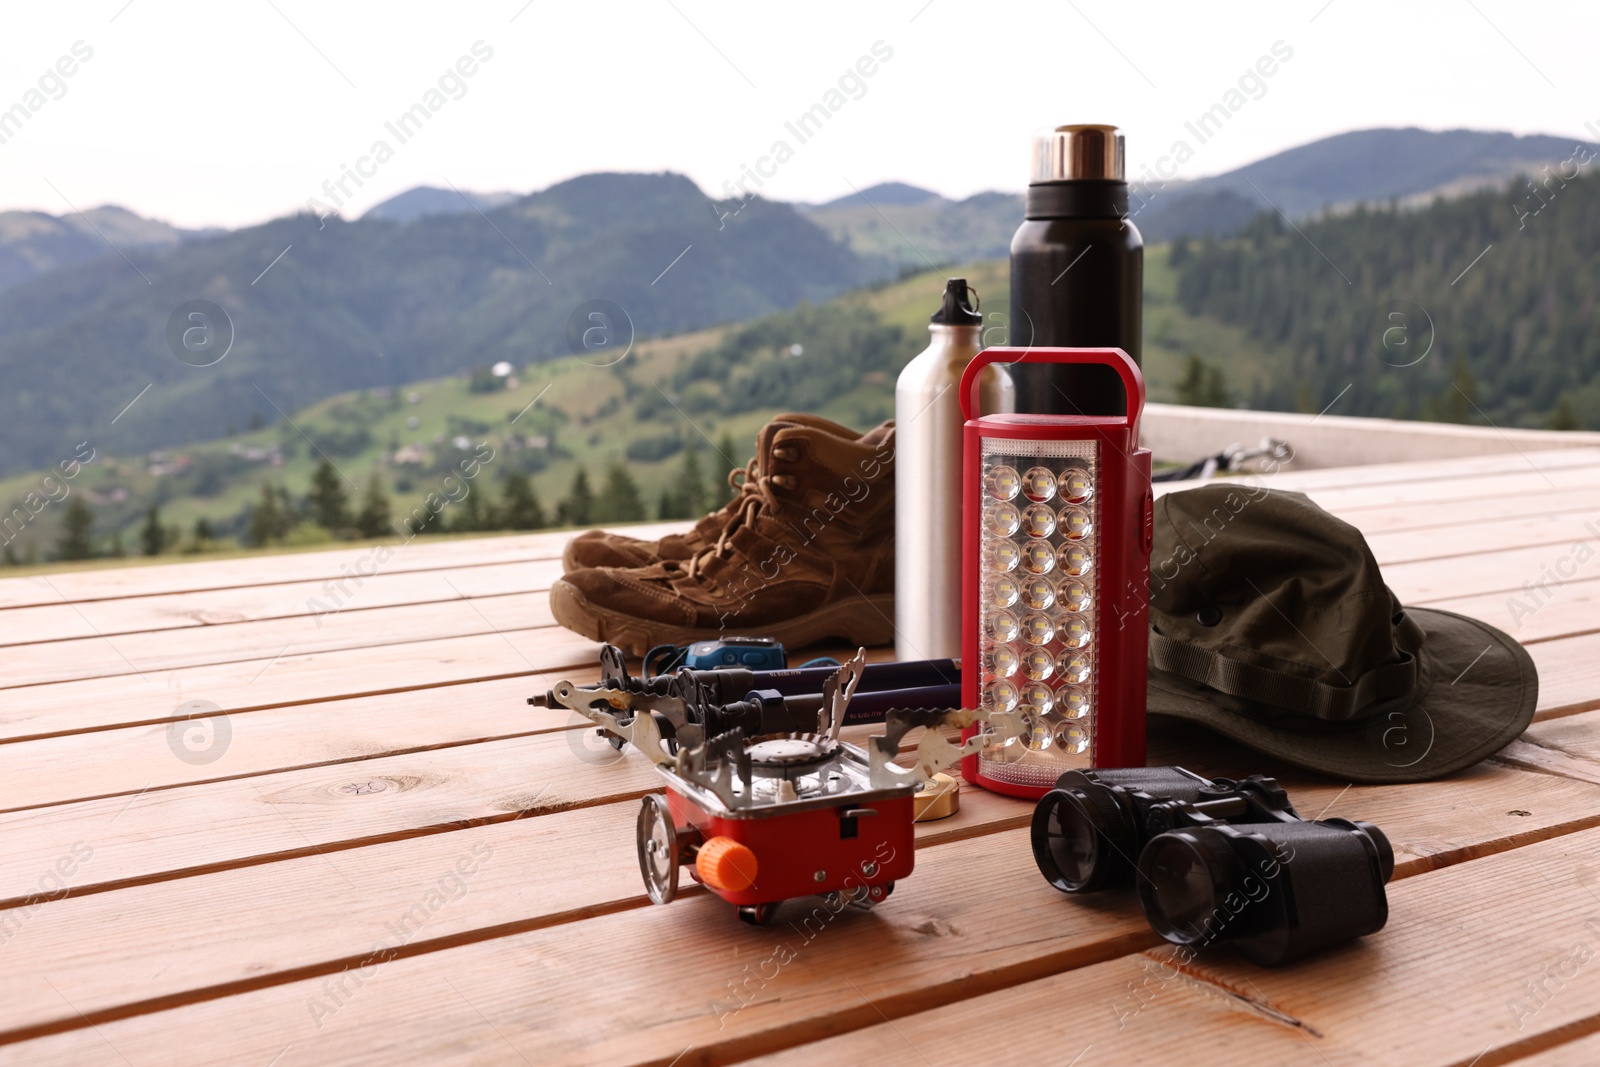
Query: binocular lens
{"x": 1069, "y": 842}
{"x": 1182, "y": 888}
{"x": 1069, "y": 848}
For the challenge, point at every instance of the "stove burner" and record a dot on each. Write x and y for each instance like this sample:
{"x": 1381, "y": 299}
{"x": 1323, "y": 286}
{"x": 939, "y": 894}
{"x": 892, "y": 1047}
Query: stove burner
{"x": 790, "y": 755}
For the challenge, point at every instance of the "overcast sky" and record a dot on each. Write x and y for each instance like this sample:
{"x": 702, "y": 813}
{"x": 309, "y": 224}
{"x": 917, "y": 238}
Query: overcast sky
{"x": 232, "y": 113}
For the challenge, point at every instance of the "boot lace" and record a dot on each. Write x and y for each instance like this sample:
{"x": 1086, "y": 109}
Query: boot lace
{"x": 755, "y": 494}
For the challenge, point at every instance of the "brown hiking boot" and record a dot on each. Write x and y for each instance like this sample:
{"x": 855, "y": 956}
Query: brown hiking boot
{"x": 807, "y": 554}
{"x": 602, "y": 548}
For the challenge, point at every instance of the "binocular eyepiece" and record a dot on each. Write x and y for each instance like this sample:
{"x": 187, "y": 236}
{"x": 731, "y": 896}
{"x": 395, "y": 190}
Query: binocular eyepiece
{"x": 1215, "y": 860}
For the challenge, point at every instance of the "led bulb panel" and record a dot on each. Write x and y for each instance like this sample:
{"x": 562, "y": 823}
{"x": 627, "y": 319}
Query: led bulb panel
{"x": 1037, "y": 591}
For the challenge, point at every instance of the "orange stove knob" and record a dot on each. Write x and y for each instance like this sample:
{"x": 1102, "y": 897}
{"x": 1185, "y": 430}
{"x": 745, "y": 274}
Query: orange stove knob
{"x": 726, "y": 865}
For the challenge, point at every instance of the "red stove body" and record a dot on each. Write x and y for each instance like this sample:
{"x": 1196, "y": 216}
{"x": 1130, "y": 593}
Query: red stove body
{"x": 778, "y": 818}
{"x": 1057, "y": 525}
{"x": 854, "y": 843}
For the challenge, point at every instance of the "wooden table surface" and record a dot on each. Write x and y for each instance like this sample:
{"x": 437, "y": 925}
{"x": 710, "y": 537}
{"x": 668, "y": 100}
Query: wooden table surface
{"x": 375, "y": 852}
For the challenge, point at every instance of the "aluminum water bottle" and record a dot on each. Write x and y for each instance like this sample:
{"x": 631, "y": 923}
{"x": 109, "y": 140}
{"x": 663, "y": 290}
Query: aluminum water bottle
{"x": 927, "y": 476}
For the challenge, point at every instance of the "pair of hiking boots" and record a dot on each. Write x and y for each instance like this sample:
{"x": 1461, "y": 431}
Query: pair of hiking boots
{"x": 803, "y": 552}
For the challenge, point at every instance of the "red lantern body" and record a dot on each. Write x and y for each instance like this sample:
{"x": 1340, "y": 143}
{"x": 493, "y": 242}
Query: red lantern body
{"x": 1057, "y": 524}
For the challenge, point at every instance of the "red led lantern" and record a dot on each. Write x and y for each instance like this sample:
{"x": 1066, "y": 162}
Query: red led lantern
{"x": 1057, "y": 525}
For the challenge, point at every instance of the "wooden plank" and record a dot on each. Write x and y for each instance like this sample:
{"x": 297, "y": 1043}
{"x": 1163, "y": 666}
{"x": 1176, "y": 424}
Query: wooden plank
{"x": 1499, "y": 570}
{"x": 1434, "y": 470}
{"x": 1358, "y": 489}
{"x": 1491, "y": 535}
{"x": 84, "y": 766}
{"x": 318, "y": 915}
{"x": 427, "y": 553}
{"x": 1403, "y": 531}
{"x": 1455, "y": 978}
{"x": 143, "y": 653}
{"x": 1496, "y": 488}
{"x": 541, "y": 655}
{"x": 974, "y": 917}
{"x": 162, "y": 833}
{"x": 1532, "y": 614}
{"x": 1567, "y": 745}
{"x": 1584, "y": 1052}
{"x": 1445, "y": 515}
{"x": 1569, "y": 674}
{"x": 1426, "y": 470}
{"x": 222, "y": 607}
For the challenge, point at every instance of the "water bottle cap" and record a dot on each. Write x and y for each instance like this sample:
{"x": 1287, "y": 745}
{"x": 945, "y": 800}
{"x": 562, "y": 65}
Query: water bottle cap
{"x": 1079, "y": 153}
{"x": 960, "y": 307}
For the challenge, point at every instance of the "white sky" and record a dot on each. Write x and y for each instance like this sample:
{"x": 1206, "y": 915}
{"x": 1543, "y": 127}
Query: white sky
{"x": 226, "y": 114}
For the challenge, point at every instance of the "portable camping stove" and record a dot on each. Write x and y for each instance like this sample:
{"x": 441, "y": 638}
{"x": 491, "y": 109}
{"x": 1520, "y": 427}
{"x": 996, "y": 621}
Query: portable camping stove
{"x": 763, "y": 818}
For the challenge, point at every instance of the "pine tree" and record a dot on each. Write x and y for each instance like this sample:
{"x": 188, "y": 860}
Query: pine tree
{"x": 1459, "y": 400}
{"x": 329, "y": 503}
{"x": 1202, "y": 384}
{"x": 203, "y": 531}
{"x": 375, "y": 517}
{"x": 520, "y": 504}
{"x": 621, "y": 501}
{"x": 1178, "y": 255}
{"x": 1563, "y": 417}
{"x": 75, "y": 527}
{"x": 267, "y": 521}
{"x": 691, "y": 487}
{"x": 117, "y": 551}
{"x": 727, "y": 462}
{"x": 152, "y": 535}
{"x": 578, "y": 507}
{"x": 667, "y": 506}
{"x": 468, "y": 514}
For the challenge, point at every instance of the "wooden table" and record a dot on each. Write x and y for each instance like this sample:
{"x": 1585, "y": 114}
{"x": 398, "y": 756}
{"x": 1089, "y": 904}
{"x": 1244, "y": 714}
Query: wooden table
{"x": 376, "y": 853}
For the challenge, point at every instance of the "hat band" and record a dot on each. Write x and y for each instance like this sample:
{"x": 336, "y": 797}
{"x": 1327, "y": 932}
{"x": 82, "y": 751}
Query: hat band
{"x": 1306, "y": 696}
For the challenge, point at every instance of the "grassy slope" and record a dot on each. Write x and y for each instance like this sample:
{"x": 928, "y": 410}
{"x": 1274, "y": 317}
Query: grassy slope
{"x": 581, "y": 393}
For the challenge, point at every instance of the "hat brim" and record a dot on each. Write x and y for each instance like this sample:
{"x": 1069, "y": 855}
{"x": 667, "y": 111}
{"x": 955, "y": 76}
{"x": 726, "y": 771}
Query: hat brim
{"x": 1479, "y": 692}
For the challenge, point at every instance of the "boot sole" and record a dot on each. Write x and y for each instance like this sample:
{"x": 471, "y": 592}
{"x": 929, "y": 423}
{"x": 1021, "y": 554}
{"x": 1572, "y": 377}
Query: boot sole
{"x": 859, "y": 620}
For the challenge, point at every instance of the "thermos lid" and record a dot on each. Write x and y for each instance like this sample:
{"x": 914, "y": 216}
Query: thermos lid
{"x": 960, "y": 307}
{"x": 1078, "y": 153}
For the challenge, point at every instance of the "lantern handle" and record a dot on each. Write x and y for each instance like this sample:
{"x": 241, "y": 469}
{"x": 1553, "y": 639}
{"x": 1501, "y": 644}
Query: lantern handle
{"x": 1115, "y": 358}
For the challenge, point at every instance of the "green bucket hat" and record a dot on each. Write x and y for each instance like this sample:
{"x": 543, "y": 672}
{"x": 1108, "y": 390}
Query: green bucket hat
{"x": 1270, "y": 624}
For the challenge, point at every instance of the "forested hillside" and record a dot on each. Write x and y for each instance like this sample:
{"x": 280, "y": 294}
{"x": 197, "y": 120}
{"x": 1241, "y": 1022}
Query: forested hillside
{"x": 1476, "y": 309}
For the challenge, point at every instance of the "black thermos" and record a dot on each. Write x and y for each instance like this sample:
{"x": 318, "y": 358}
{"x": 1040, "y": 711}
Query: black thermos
{"x": 1077, "y": 271}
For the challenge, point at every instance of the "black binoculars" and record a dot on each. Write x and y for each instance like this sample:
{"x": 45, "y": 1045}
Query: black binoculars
{"x": 1215, "y": 860}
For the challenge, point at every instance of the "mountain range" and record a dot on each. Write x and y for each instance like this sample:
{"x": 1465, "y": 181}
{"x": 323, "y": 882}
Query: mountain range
{"x": 436, "y": 282}
{"x": 34, "y": 243}
{"x": 319, "y": 307}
